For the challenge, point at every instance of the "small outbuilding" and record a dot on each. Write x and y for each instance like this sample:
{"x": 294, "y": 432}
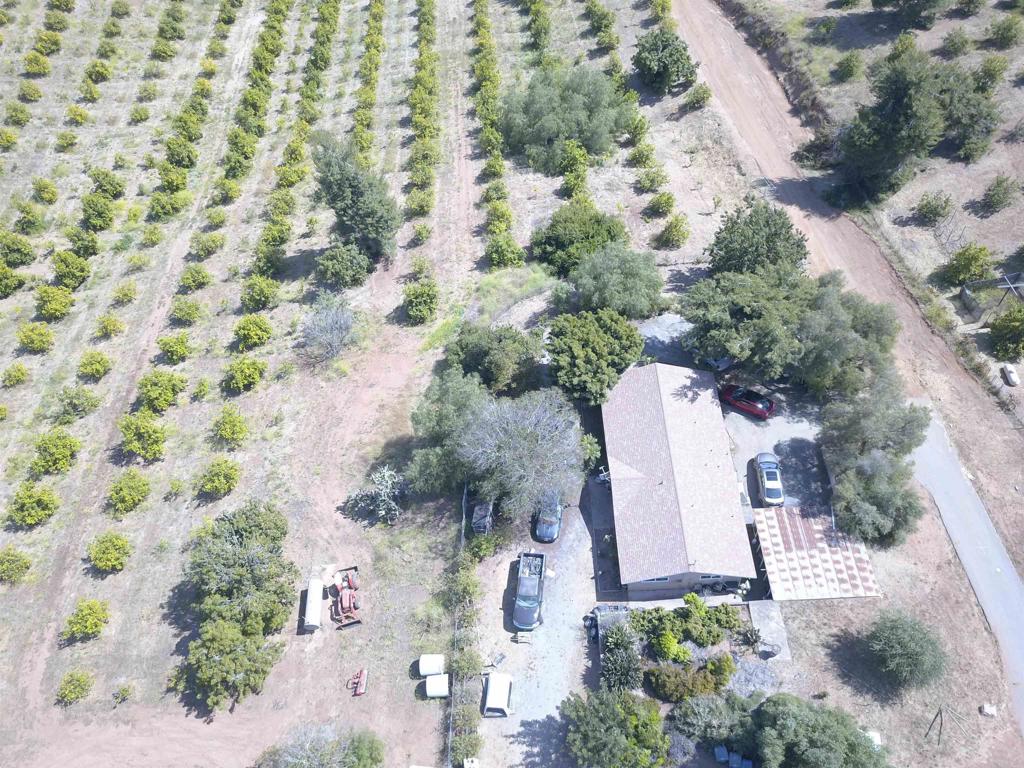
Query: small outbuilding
{"x": 679, "y": 523}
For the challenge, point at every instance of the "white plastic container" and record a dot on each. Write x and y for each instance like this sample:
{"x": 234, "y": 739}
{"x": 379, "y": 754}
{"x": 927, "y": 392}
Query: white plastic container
{"x": 314, "y": 605}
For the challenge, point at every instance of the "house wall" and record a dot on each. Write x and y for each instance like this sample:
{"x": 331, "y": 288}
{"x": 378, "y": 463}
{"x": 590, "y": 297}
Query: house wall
{"x": 674, "y": 587}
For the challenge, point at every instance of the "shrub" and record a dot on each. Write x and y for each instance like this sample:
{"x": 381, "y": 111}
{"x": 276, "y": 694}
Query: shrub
{"x": 14, "y": 565}
{"x": 32, "y": 504}
{"x": 668, "y": 683}
{"x": 8, "y": 139}
{"x": 1000, "y": 193}
{"x": 108, "y": 326}
{"x": 666, "y": 647}
{"x": 55, "y": 21}
{"x": 219, "y": 478}
{"x": 969, "y": 7}
{"x": 29, "y": 92}
{"x": 956, "y": 43}
{"x": 621, "y": 669}
{"x": 10, "y": 281}
{"x": 94, "y": 365}
{"x": 109, "y": 552}
{"x": 194, "y": 277}
{"x": 175, "y": 348}
{"x": 503, "y": 251}
{"x": 142, "y": 435}
{"x": 990, "y": 73}
{"x": 614, "y": 277}
{"x": 589, "y": 351}
{"x": 55, "y": 452}
{"x": 327, "y": 329}
{"x": 87, "y": 621}
{"x": 252, "y": 331}
{"x": 185, "y": 311}
{"x": 30, "y": 220}
{"x": 933, "y": 207}
{"x": 229, "y": 428}
{"x": 13, "y": 375}
{"x": 16, "y": 115}
{"x": 1007, "y": 331}
{"x": 74, "y": 686}
{"x": 75, "y": 403}
{"x": 76, "y": 115}
{"x": 577, "y": 229}
{"x": 675, "y": 234}
{"x": 152, "y": 235}
{"x": 342, "y": 266}
{"x": 721, "y": 667}
{"x": 36, "y": 64}
{"x": 558, "y": 106}
{"x": 259, "y": 292}
{"x": 972, "y": 262}
{"x": 700, "y": 95}
{"x": 53, "y": 302}
{"x": 70, "y": 270}
{"x": 1006, "y": 32}
{"x": 15, "y": 250}
{"x": 907, "y": 652}
{"x": 138, "y": 114}
{"x": 663, "y": 61}
{"x": 204, "y": 244}
{"x": 124, "y": 293}
{"x": 98, "y": 71}
{"x": 661, "y": 205}
{"x": 82, "y": 243}
{"x": 66, "y": 140}
{"x": 421, "y": 299}
{"x": 849, "y": 67}
{"x": 120, "y": 9}
{"x": 35, "y": 337}
{"x": 502, "y": 356}
{"x": 107, "y": 183}
{"x": 159, "y": 389}
{"x": 243, "y": 373}
{"x": 127, "y": 493}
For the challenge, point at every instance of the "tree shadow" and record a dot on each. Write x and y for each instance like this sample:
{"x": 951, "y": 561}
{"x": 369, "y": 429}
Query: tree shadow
{"x": 858, "y": 30}
{"x": 543, "y": 743}
{"x": 858, "y": 668}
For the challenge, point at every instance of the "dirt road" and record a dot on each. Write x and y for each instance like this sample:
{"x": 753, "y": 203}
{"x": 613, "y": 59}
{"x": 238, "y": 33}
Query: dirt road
{"x": 766, "y": 132}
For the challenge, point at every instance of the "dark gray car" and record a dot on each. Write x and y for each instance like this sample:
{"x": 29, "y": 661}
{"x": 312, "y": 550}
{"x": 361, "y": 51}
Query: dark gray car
{"x": 548, "y": 522}
{"x": 526, "y": 614}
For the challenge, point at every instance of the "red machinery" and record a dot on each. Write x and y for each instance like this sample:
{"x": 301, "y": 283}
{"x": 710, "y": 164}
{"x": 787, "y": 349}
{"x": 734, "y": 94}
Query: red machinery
{"x": 357, "y": 683}
{"x": 345, "y": 598}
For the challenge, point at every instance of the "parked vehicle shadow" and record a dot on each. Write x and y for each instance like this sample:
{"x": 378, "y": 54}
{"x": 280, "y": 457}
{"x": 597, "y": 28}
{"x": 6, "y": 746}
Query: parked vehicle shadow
{"x": 803, "y": 473}
{"x": 508, "y": 597}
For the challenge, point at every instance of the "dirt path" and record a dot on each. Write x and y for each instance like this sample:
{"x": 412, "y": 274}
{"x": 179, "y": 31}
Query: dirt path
{"x": 766, "y": 133}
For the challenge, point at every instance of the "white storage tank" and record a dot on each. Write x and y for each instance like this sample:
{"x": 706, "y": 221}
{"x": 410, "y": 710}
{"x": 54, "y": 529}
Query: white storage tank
{"x": 431, "y": 664}
{"x": 314, "y": 605}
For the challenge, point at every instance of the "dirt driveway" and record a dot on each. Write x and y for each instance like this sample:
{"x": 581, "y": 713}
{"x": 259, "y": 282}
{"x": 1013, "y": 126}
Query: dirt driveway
{"x": 558, "y": 659}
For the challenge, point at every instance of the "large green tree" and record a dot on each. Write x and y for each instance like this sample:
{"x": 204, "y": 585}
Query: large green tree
{"x": 225, "y": 665}
{"x": 663, "y": 61}
{"x": 611, "y": 729}
{"x": 590, "y": 350}
{"x": 559, "y": 105}
{"x": 905, "y": 122}
{"x": 502, "y": 356}
{"x": 615, "y": 277}
{"x": 789, "y": 732}
{"x": 756, "y": 235}
{"x": 366, "y": 213}
{"x": 874, "y": 501}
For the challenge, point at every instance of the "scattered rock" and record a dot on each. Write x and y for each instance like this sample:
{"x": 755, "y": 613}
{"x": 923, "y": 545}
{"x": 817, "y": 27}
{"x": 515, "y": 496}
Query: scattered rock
{"x": 987, "y": 710}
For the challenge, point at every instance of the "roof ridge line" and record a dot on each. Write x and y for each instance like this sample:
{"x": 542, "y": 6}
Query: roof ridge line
{"x": 672, "y": 462}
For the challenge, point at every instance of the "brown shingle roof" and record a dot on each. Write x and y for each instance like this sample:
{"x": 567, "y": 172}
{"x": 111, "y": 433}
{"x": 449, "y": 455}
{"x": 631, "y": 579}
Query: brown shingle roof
{"x": 674, "y": 489}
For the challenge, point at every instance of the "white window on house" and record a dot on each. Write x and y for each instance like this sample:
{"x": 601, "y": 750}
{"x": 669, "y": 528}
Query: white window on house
{"x": 711, "y": 577}
{"x": 660, "y": 578}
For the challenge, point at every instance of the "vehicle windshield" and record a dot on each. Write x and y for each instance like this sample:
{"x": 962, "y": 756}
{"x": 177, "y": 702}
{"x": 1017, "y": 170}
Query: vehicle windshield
{"x": 549, "y": 517}
{"x": 773, "y": 493}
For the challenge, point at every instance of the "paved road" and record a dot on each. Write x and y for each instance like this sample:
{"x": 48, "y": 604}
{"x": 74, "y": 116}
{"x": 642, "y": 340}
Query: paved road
{"x": 996, "y": 582}
{"x": 766, "y": 131}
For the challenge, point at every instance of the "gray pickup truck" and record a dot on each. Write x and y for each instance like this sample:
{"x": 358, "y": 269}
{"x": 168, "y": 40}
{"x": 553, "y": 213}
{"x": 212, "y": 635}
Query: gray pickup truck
{"x": 526, "y": 614}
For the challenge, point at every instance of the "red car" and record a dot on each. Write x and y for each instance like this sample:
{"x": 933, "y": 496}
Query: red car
{"x": 749, "y": 401}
